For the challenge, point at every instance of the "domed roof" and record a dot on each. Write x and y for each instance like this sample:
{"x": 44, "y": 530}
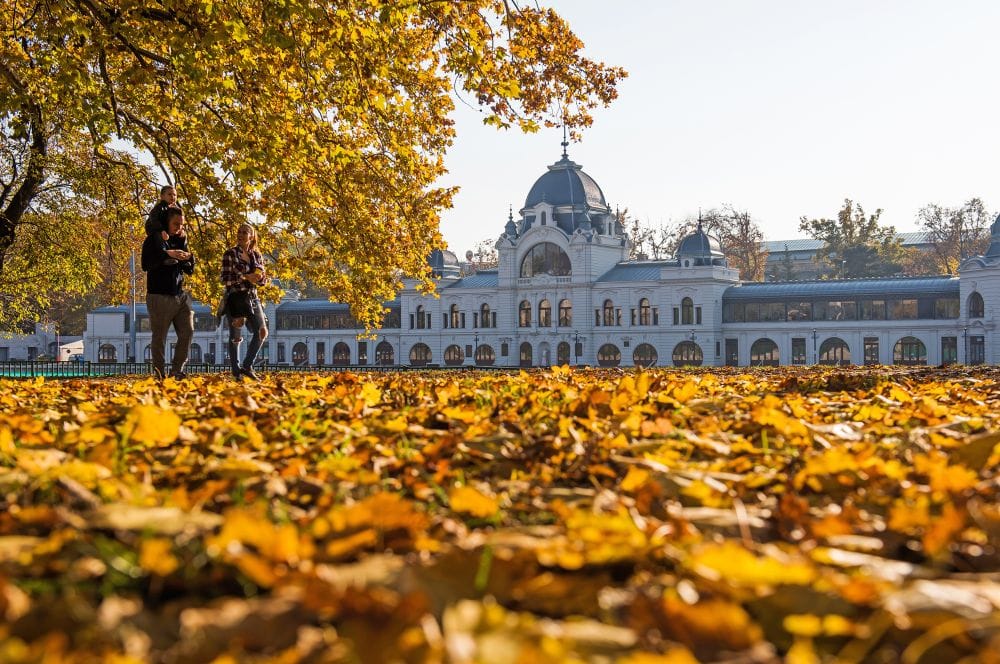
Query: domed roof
{"x": 565, "y": 183}
{"x": 699, "y": 244}
{"x": 444, "y": 263}
{"x": 993, "y": 251}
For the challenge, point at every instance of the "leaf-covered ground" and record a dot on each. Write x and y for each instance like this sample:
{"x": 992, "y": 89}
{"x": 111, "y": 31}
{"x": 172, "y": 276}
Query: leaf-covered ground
{"x": 593, "y": 516}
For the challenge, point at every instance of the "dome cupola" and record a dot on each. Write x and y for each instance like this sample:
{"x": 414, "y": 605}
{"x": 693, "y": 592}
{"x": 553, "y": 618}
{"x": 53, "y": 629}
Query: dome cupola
{"x": 700, "y": 248}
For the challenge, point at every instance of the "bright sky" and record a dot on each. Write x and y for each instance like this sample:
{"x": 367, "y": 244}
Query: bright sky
{"x": 780, "y": 107}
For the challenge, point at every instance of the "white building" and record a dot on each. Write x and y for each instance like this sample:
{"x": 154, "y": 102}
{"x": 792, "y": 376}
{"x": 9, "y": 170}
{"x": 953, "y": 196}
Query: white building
{"x": 44, "y": 342}
{"x": 564, "y": 292}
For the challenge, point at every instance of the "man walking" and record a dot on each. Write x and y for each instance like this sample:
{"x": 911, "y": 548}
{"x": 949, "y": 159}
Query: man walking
{"x": 166, "y": 300}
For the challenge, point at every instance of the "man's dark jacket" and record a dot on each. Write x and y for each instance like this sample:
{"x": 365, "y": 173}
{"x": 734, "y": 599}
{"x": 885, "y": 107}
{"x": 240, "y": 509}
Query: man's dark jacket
{"x": 164, "y": 275}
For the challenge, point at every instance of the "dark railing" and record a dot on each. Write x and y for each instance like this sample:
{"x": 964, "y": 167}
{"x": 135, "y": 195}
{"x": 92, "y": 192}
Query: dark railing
{"x": 49, "y": 369}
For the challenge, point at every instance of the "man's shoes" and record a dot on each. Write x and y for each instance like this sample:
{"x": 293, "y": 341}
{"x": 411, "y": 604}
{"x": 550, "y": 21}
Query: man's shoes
{"x": 249, "y": 373}
{"x": 238, "y": 376}
{"x": 178, "y": 375}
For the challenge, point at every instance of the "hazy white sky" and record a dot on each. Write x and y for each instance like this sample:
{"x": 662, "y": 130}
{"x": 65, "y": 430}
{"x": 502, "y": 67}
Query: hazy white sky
{"x": 783, "y": 108}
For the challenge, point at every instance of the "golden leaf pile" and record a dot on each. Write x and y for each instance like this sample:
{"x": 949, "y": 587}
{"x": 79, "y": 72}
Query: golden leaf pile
{"x": 802, "y": 514}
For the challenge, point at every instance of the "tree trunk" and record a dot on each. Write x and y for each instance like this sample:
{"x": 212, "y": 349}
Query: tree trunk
{"x": 34, "y": 176}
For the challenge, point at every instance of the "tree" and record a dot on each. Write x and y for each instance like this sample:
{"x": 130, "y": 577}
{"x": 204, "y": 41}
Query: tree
{"x": 787, "y": 267}
{"x": 325, "y": 123}
{"x": 955, "y": 233}
{"x": 485, "y": 256}
{"x": 646, "y": 241}
{"x": 855, "y": 245}
{"x": 740, "y": 237}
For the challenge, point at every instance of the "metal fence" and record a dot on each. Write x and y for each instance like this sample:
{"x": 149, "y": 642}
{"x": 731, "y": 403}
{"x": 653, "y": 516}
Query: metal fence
{"x": 48, "y": 369}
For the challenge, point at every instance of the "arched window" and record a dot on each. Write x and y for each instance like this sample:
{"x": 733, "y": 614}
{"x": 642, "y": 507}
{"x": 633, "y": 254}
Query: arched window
{"x": 107, "y": 353}
{"x": 453, "y": 355}
{"x": 524, "y": 314}
{"x": 977, "y": 308}
{"x": 544, "y": 314}
{"x": 609, "y": 312}
{"x": 525, "y": 354}
{"x": 562, "y": 353}
{"x": 484, "y": 315}
{"x": 565, "y": 313}
{"x": 485, "y": 356}
{"x": 420, "y": 354}
{"x": 420, "y": 317}
{"x": 454, "y": 316}
{"x": 147, "y": 355}
{"x": 834, "y": 351}
{"x": 644, "y": 355}
{"x": 545, "y": 258}
{"x": 687, "y": 311}
{"x": 384, "y": 354}
{"x": 687, "y": 354}
{"x": 645, "y": 312}
{"x": 764, "y": 353}
{"x": 608, "y": 355}
{"x": 910, "y": 351}
{"x": 300, "y": 354}
{"x": 195, "y": 353}
{"x": 342, "y": 354}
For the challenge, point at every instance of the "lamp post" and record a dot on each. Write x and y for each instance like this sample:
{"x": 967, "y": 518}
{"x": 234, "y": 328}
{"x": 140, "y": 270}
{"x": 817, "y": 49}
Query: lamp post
{"x": 475, "y": 348}
{"x": 576, "y": 346}
{"x": 815, "y": 354}
{"x": 965, "y": 343}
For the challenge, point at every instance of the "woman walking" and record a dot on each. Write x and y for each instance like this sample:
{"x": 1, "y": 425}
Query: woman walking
{"x": 242, "y": 272}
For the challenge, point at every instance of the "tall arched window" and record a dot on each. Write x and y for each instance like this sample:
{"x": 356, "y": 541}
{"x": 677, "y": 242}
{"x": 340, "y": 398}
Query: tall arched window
{"x": 608, "y": 355}
{"x": 484, "y": 315}
{"x": 385, "y": 355}
{"x": 544, "y": 314}
{"x": 977, "y": 308}
{"x": 687, "y": 311}
{"x": 834, "y": 351}
{"x": 687, "y": 354}
{"x": 609, "y": 312}
{"x": 910, "y": 351}
{"x": 147, "y": 355}
{"x": 764, "y": 353}
{"x": 645, "y": 312}
{"x": 195, "y": 353}
{"x": 644, "y": 355}
{"x": 562, "y": 353}
{"x": 565, "y": 313}
{"x": 300, "y": 354}
{"x": 453, "y": 311}
{"x": 524, "y": 314}
{"x": 341, "y": 354}
{"x": 545, "y": 258}
{"x": 420, "y": 354}
{"x": 485, "y": 356}
{"x": 420, "y": 317}
{"x": 107, "y": 353}
{"x": 453, "y": 355}
{"x": 526, "y": 354}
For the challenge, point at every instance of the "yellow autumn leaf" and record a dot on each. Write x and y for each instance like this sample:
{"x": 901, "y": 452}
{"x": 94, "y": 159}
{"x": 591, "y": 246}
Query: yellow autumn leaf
{"x": 156, "y": 556}
{"x": 467, "y": 500}
{"x": 151, "y": 425}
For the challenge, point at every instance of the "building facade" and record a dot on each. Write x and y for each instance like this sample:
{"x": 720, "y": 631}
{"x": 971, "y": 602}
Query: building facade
{"x": 565, "y": 293}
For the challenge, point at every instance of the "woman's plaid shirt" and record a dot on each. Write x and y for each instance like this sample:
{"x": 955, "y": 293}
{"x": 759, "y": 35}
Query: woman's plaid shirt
{"x": 233, "y": 269}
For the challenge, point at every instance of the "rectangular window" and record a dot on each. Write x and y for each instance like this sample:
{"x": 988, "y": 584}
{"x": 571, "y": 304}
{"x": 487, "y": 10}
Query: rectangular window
{"x": 428, "y": 321}
{"x": 578, "y": 350}
{"x": 872, "y": 309}
{"x": 320, "y": 352}
{"x": 504, "y": 349}
{"x": 949, "y": 350}
{"x": 903, "y": 309}
{"x": 697, "y": 315}
{"x": 772, "y": 311}
{"x": 677, "y": 316}
{"x": 977, "y": 349}
{"x": 835, "y": 310}
{"x": 632, "y": 312}
{"x": 618, "y": 317}
{"x": 656, "y": 316}
{"x": 281, "y": 352}
{"x": 211, "y": 353}
{"x": 444, "y": 321}
{"x": 468, "y": 350}
{"x": 411, "y": 321}
{"x": 946, "y": 307}
{"x": 718, "y": 349}
{"x": 800, "y": 311}
{"x": 362, "y": 352}
{"x": 799, "y": 350}
{"x": 493, "y": 316}
{"x": 462, "y": 316}
{"x": 871, "y": 350}
{"x": 732, "y": 352}
{"x": 751, "y": 312}
{"x": 475, "y": 319}
{"x": 733, "y": 312}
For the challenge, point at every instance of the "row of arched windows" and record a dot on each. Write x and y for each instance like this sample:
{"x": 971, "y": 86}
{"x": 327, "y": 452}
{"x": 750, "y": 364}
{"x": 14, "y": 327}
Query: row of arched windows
{"x": 454, "y": 318}
{"x": 907, "y": 351}
{"x": 565, "y": 314}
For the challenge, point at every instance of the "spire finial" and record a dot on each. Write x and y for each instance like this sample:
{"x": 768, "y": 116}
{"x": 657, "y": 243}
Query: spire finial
{"x": 510, "y": 212}
{"x": 565, "y": 143}
{"x": 699, "y": 220}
